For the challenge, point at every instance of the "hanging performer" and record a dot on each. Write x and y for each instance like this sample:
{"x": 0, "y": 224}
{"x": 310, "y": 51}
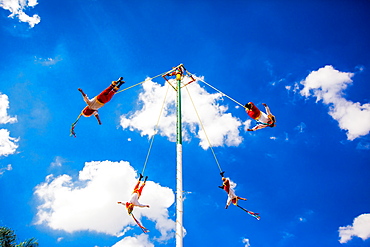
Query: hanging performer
{"x": 178, "y": 72}
{"x": 97, "y": 102}
{"x": 232, "y": 197}
{"x": 134, "y": 201}
{"x": 263, "y": 119}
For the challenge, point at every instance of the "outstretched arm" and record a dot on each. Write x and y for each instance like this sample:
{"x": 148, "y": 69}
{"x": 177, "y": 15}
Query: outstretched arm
{"x": 84, "y": 96}
{"x": 257, "y": 127}
{"x": 270, "y": 116}
{"x": 82, "y": 92}
{"x": 267, "y": 109}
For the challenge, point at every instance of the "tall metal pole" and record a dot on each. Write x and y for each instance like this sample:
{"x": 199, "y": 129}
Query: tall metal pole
{"x": 179, "y": 191}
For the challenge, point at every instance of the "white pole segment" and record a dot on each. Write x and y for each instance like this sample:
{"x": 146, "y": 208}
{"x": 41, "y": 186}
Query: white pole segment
{"x": 179, "y": 199}
{"x": 179, "y": 191}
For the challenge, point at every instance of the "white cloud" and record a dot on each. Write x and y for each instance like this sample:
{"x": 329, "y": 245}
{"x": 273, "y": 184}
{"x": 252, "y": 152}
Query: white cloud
{"x": 4, "y": 106}
{"x": 328, "y": 84}
{"x": 17, "y": 8}
{"x": 90, "y": 202}
{"x": 247, "y": 124}
{"x": 301, "y": 127}
{"x": 360, "y": 228}
{"x": 58, "y": 162}
{"x": 221, "y": 127}
{"x": 303, "y": 217}
{"x": 286, "y": 136}
{"x": 4, "y": 169}
{"x": 141, "y": 240}
{"x": 7, "y": 144}
{"x": 363, "y": 145}
{"x": 288, "y": 235}
{"x": 246, "y": 242}
{"x": 48, "y": 61}
{"x": 294, "y": 88}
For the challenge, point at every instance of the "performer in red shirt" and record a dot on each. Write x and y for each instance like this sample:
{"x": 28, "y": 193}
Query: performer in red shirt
{"x": 228, "y": 186}
{"x": 231, "y": 196}
{"x": 263, "y": 119}
{"x": 98, "y": 101}
{"x": 134, "y": 201}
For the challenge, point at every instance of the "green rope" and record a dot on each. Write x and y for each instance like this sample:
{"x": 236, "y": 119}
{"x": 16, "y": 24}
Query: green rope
{"x": 155, "y": 132}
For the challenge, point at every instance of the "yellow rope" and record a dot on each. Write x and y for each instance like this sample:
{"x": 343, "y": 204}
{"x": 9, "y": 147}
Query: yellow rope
{"x": 150, "y": 78}
{"x": 201, "y": 123}
{"x": 152, "y": 139}
{"x": 199, "y": 79}
{"x": 155, "y": 131}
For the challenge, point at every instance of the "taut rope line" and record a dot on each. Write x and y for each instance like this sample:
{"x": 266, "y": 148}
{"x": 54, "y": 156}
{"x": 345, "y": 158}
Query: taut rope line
{"x": 201, "y": 123}
{"x": 155, "y": 131}
{"x": 223, "y": 94}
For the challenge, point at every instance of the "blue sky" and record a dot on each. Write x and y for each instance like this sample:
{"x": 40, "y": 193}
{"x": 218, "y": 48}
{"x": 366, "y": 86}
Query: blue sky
{"x": 308, "y": 177}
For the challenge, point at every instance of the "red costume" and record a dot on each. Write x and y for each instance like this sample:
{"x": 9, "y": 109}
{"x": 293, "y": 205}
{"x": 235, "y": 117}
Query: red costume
{"x": 231, "y": 197}
{"x": 178, "y": 72}
{"x": 253, "y": 112}
{"x": 134, "y": 201}
{"x": 97, "y": 102}
{"x": 264, "y": 119}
